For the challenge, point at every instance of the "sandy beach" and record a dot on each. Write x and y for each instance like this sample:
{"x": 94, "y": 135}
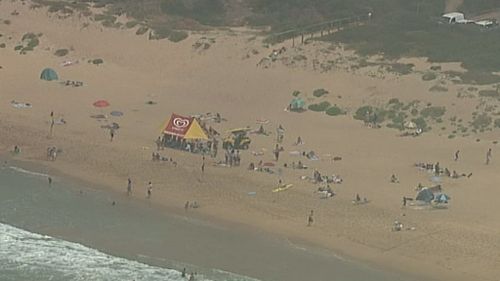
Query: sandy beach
{"x": 460, "y": 242}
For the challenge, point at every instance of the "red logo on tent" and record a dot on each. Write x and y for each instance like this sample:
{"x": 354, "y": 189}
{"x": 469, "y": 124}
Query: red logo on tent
{"x": 178, "y": 125}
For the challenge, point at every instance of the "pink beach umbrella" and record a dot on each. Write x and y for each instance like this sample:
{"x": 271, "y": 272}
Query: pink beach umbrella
{"x": 101, "y": 103}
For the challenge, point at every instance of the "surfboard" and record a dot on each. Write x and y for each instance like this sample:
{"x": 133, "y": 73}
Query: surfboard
{"x": 282, "y": 188}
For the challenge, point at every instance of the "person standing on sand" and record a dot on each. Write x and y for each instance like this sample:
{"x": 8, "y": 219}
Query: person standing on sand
{"x": 50, "y": 181}
{"x": 457, "y": 155}
{"x": 129, "y": 187}
{"x": 150, "y": 189}
{"x": 111, "y": 134}
{"x": 488, "y": 156}
{"x": 310, "y": 218}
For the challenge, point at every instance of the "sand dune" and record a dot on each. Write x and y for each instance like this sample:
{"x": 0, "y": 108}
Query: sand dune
{"x": 459, "y": 243}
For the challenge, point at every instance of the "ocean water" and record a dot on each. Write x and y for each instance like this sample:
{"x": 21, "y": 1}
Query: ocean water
{"x": 29, "y": 256}
{"x": 64, "y": 232}
{"x": 28, "y": 201}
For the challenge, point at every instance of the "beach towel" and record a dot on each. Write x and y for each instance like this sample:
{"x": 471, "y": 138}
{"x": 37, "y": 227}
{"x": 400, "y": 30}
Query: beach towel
{"x": 20, "y": 104}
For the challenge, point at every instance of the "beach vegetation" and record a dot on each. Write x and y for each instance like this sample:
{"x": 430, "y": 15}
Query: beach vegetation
{"x": 497, "y": 123}
{"x": 320, "y": 92}
{"x": 489, "y": 93}
{"x": 428, "y": 76}
{"x": 335, "y": 111}
{"x": 433, "y": 112}
{"x": 61, "y": 52}
{"x": 97, "y": 61}
{"x": 131, "y": 24}
{"x": 295, "y": 93}
{"x": 438, "y": 88}
{"x": 142, "y": 30}
{"x": 7, "y": 22}
{"x": 319, "y": 107}
{"x": 481, "y": 121}
{"x": 2, "y": 45}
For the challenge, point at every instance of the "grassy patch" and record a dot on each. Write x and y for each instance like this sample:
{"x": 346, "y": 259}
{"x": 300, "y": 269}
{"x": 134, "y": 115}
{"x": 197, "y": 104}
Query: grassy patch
{"x": 429, "y": 76}
{"x": 438, "y": 88}
{"x": 131, "y": 24}
{"x": 319, "y": 107}
{"x": 433, "y": 112}
{"x": 481, "y": 121}
{"x": 61, "y": 52}
{"x": 97, "y": 61}
{"x": 320, "y": 92}
{"x": 334, "y": 111}
{"x": 489, "y": 93}
{"x": 142, "y": 30}
{"x": 296, "y": 93}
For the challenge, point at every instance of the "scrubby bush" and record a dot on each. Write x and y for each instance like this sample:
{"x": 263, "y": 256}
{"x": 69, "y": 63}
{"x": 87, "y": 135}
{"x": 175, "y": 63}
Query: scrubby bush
{"x": 97, "y": 61}
{"x": 433, "y": 112}
{"x": 142, "y": 30}
{"x": 429, "y": 76}
{"x": 489, "y": 93}
{"x": 61, "y": 52}
{"x": 334, "y": 111}
{"x": 320, "y": 92}
{"x": 319, "y": 107}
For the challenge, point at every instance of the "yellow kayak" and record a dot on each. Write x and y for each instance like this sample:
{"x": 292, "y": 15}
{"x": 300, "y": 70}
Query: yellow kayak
{"x": 282, "y": 188}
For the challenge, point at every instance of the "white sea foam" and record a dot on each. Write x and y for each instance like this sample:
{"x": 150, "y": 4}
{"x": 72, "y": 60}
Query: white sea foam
{"x": 43, "y": 257}
{"x": 31, "y": 173}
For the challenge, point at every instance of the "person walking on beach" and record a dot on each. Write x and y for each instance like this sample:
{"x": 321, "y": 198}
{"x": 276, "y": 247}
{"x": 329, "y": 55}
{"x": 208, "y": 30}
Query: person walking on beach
{"x": 310, "y": 218}
{"x": 488, "y": 156}
{"x": 150, "y": 189}
{"x": 457, "y": 155}
{"x": 50, "y": 181}
{"x": 129, "y": 187}
{"x": 111, "y": 134}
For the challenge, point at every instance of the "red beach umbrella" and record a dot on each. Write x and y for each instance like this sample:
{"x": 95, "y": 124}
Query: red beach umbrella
{"x": 101, "y": 103}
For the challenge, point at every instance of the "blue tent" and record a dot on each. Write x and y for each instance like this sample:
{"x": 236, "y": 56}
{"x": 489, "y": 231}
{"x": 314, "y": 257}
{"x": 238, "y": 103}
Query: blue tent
{"x": 425, "y": 195}
{"x": 48, "y": 74}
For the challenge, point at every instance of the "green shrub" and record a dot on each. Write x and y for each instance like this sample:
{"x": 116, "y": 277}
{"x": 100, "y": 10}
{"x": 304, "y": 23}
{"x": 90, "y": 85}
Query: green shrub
{"x": 334, "y": 111}
{"x": 97, "y": 61}
{"x": 433, "y": 112}
{"x": 481, "y": 121}
{"x": 319, "y": 107}
{"x": 489, "y": 93}
{"x": 142, "y": 30}
{"x": 131, "y": 24}
{"x": 61, "y": 52}
{"x": 429, "y": 76}
{"x": 7, "y": 22}
{"x": 362, "y": 112}
{"x": 296, "y": 93}
{"x": 2, "y": 45}
{"x": 420, "y": 122}
{"x": 18, "y": 47}
{"x": 438, "y": 88}
{"x": 177, "y": 36}
{"x": 320, "y": 92}
{"x": 497, "y": 123}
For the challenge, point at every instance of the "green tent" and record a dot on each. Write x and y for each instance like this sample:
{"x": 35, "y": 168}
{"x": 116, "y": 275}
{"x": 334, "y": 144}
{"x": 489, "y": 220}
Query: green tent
{"x": 297, "y": 104}
{"x": 49, "y": 74}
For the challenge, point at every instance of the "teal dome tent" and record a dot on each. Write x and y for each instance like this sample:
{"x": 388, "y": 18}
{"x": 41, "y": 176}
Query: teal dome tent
{"x": 49, "y": 74}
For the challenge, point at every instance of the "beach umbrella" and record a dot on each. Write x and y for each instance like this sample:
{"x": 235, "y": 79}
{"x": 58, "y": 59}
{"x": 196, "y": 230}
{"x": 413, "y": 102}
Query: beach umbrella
{"x": 101, "y": 103}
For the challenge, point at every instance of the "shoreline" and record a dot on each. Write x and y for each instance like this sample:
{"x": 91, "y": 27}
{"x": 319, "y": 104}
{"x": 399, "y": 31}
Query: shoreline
{"x": 318, "y": 261}
{"x": 364, "y": 260}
